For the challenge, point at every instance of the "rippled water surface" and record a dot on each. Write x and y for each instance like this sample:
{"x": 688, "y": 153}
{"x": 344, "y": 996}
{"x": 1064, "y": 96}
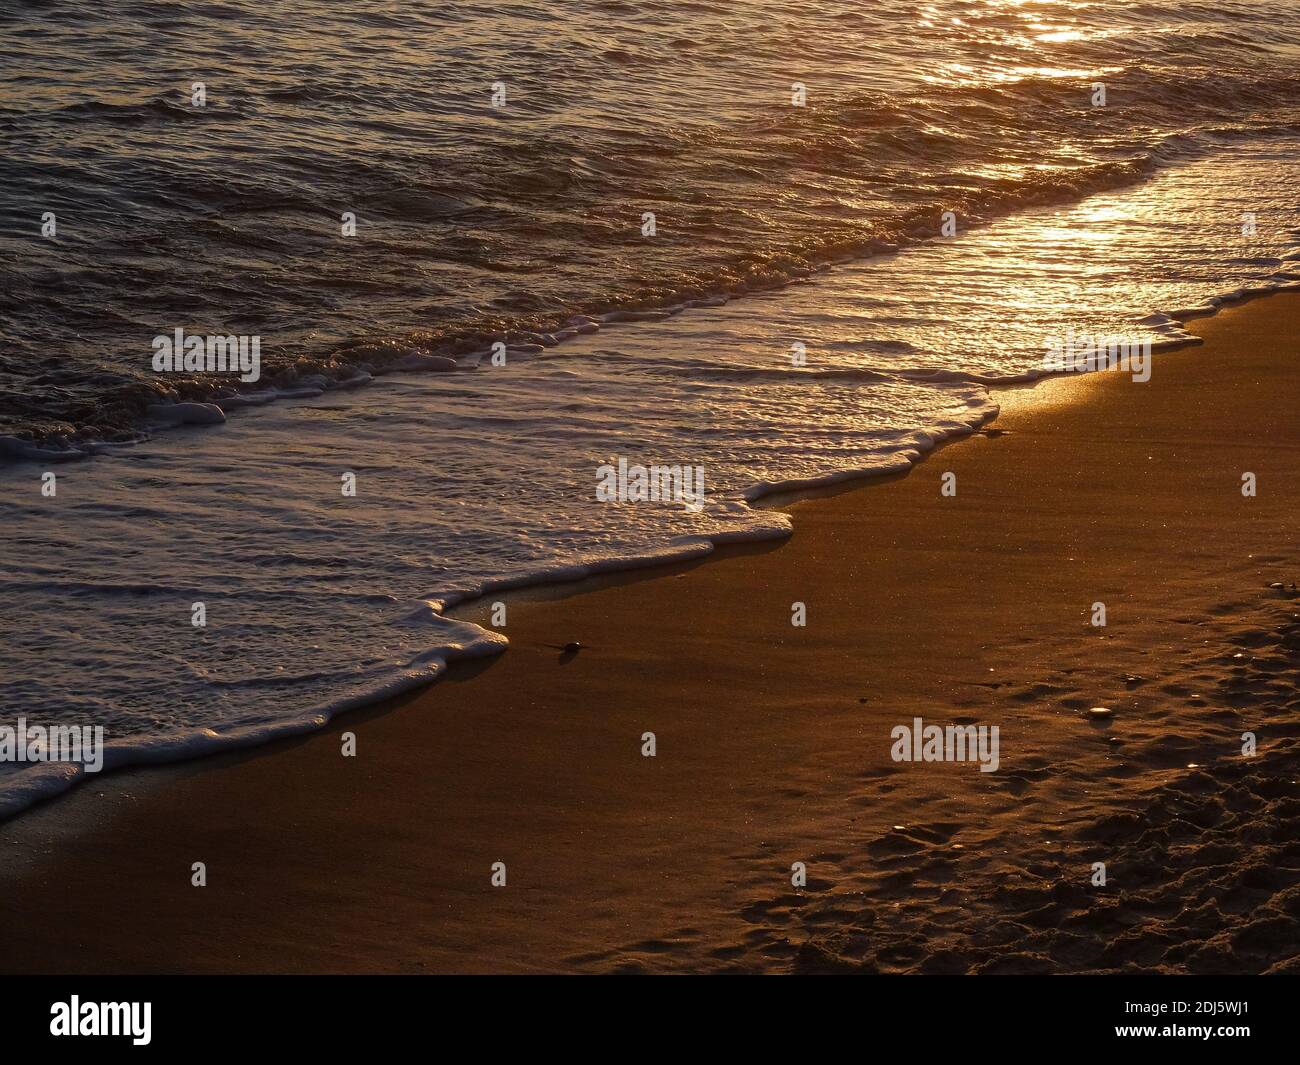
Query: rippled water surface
{"x": 477, "y": 222}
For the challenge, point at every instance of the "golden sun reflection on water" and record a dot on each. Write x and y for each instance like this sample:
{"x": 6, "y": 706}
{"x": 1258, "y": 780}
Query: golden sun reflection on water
{"x": 1060, "y": 36}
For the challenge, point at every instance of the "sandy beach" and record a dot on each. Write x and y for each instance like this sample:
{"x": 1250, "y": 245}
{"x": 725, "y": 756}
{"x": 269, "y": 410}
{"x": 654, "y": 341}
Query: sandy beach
{"x": 773, "y": 741}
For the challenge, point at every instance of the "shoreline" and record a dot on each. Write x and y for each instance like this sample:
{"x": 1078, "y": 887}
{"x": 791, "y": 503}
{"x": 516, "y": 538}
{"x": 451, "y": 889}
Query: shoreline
{"x": 173, "y": 748}
{"x": 730, "y": 664}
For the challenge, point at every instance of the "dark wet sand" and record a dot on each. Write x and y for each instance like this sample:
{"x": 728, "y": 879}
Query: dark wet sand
{"x": 773, "y": 741}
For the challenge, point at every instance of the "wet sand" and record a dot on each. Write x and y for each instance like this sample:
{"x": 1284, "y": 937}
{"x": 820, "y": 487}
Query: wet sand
{"x": 773, "y": 741}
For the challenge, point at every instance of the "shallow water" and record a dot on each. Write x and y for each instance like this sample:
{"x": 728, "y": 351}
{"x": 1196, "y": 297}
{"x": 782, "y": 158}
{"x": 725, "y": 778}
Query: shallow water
{"x": 468, "y": 482}
{"x": 478, "y": 222}
{"x": 486, "y": 477}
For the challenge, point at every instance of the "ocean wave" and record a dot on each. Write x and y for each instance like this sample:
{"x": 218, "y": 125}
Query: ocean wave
{"x": 480, "y": 225}
{"x": 798, "y": 319}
